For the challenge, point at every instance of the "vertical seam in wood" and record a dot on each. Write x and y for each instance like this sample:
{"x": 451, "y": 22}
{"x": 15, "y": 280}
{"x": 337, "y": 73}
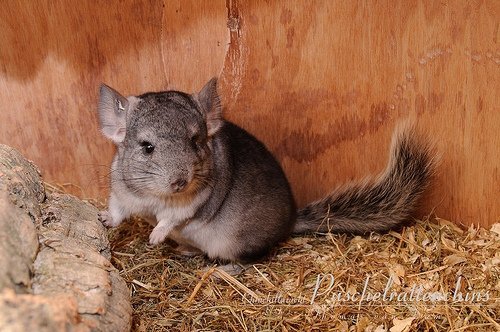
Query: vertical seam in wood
{"x": 161, "y": 43}
{"x": 235, "y": 62}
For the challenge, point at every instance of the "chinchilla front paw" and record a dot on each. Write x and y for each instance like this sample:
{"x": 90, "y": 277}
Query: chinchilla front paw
{"x": 106, "y": 218}
{"x": 158, "y": 234}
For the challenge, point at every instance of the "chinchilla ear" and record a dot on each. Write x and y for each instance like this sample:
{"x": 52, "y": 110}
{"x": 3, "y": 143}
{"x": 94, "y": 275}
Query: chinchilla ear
{"x": 211, "y": 106}
{"x": 112, "y": 113}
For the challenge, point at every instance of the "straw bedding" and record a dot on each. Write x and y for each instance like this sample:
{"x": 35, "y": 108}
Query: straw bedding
{"x": 432, "y": 276}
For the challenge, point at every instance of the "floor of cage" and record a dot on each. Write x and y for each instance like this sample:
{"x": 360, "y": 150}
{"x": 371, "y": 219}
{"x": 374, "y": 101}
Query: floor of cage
{"x": 431, "y": 276}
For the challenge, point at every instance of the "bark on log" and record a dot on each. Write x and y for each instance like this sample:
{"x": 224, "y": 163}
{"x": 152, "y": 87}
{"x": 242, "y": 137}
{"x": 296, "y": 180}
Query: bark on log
{"x": 55, "y": 270}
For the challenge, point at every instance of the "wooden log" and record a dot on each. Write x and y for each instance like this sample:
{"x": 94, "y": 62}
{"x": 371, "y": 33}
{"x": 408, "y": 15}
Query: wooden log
{"x": 25, "y": 312}
{"x": 21, "y": 192}
{"x": 55, "y": 270}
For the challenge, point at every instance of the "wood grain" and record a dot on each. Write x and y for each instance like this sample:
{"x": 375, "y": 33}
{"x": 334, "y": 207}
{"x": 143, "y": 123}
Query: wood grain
{"x": 321, "y": 83}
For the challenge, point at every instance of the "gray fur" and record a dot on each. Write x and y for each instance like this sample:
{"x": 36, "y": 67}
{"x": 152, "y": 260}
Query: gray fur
{"x": 212, "y": 186}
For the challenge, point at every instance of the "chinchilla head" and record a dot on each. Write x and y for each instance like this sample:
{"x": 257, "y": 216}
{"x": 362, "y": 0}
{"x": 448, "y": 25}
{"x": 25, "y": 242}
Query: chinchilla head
{"x": 164, "y": 139}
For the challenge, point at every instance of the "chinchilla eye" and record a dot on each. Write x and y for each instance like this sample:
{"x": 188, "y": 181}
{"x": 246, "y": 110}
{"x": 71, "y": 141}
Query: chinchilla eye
{"x": 147, "y": 147}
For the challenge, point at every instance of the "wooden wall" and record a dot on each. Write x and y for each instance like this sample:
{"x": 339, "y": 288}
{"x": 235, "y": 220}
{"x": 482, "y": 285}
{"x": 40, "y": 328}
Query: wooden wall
{"x": 322, "y": 83}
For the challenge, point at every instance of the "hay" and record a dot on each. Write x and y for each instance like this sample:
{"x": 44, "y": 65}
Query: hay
{"x": 443, "y": 278}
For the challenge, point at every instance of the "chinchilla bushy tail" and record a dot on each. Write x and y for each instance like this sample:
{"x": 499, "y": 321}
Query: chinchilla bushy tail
{"x": 380, "y": 203}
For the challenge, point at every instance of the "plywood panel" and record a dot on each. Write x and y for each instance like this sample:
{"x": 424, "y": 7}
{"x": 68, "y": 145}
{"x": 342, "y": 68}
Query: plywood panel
{"x": 322, "y": 83}
{"x": 325, "y": 82}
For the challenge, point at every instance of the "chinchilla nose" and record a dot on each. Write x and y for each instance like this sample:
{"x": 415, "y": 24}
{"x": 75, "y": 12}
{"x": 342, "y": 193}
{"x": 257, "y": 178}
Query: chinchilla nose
{"x": 179, "y": 185}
